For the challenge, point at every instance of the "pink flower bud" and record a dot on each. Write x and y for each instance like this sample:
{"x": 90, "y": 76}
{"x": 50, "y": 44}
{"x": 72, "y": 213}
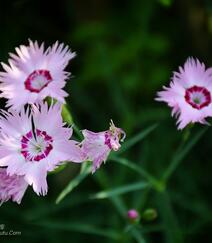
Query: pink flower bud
{"x": 133, "y": 215}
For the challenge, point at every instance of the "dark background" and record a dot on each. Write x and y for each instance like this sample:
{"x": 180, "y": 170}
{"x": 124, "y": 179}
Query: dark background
{"x": 126, "y": 51}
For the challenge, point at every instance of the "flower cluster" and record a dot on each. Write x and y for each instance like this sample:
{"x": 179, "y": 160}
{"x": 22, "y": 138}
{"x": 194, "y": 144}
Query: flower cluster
{"x": 33, "y": 137}
{"x": 190, "y": 93}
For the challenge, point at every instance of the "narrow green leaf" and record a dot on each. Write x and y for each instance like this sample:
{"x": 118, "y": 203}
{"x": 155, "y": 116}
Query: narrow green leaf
{"x": 180, "y": 155}
{"x": 80, "y": 227}
{"x": 199, "y": 207}
{"x": 172, "y": 229}
{"x": 58, "y": 169}
{"x": 78, "y": 131}
{"x": 138, "y": 236}
{"x": 137, "y": 138}
{"x": 119, "y": 205}
{"x": 104, "y": 182}
{"x": 120, "y": 190}
{"x": 40, "y": 212}
{"x": 75, "y": 182}
{"x": 154, "y": 182}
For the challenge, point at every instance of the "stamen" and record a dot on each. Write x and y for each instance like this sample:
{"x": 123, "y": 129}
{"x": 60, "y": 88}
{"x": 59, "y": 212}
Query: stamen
{"x": 37, "y": 147}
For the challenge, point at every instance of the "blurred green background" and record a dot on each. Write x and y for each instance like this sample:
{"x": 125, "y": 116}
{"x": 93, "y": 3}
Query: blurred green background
{"x": 126, "y": 51}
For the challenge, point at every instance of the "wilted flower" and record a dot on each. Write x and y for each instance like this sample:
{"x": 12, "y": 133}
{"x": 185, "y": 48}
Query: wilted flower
{"x": 33, "y": 74}
{"x": 189, "y": 93}
{"x": 11, "y": 187}
{"x": 33, "y": 143}
{"x": 97, "y": 146}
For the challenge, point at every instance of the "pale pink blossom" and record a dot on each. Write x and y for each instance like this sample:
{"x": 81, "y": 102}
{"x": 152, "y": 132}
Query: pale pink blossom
{"x": 34, "y": 73}
{"x": 35, "y": 142}
{"x": 189, "y": 93}
{"x": 97, "y": 146}
{"x": 11, "y": 187}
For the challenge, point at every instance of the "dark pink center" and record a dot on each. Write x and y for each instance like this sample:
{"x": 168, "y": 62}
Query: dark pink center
{"x": 108, "y": 140}
{"x": 38, "y": 80}
{"x": 37, "y": 146}
{"x": 198, "y": 97}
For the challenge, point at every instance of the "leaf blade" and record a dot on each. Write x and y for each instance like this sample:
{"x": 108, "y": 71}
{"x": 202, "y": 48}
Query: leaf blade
{"x": 80, "y": 227}
{"x": 74, "y": 183}
{"x": 137, "y": 138}
{"x": 120, "y": 190}
{"x": 177, "y": 159}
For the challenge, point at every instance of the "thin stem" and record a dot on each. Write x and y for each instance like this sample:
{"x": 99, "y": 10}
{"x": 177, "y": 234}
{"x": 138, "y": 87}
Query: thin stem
{"x": 119, "y": 204}
{"x": 173, "y": 231}
{"x": 181, "y": 153}
{"x": 154, "y": 182}
{"x": 78, "y": 132}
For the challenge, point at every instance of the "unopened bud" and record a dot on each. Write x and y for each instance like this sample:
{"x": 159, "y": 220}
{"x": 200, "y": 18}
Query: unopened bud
{"x": 133, "y": 215}
{"x": 149, "y": 214}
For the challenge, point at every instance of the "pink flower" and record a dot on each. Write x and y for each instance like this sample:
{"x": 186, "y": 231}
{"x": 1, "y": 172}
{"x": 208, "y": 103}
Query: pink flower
{"x": 189, "y": 93}
{"x": 35, "y": 74}
{"x": 133, "y": 215}
{"x": 33, "y": 143}
{"x": 97, "y": 146}
{"x": 11, "y": 187}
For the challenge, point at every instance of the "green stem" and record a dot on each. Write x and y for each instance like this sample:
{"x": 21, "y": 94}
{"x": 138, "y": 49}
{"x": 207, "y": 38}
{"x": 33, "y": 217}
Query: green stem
{"x": 78, "y": 132}
{"x": 172, "y": 229}
{"x": 159, "y": 186}
{"x": 67, "y": 117}
{"x": 181, "y": 153}
{"x": 119, "y": 204}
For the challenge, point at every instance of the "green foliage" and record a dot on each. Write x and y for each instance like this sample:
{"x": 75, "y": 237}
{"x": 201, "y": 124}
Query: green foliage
{"x": 85, "y": 171}
{"x": 66, "y": 114}
{"x": 126, "y": 52}
{"x": 166, "y": 3}
{"x": 120, "y": 190}
{"x": 137, "y": 138}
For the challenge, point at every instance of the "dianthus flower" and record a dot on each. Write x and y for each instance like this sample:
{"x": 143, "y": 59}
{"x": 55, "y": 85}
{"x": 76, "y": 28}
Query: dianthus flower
{"x": 189, "y": 94}
{"x": 33, "y": 74}
{"x": 35, "y": 142}
{"x": 11, "y": 187}
{"x": 97, "y": 146}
